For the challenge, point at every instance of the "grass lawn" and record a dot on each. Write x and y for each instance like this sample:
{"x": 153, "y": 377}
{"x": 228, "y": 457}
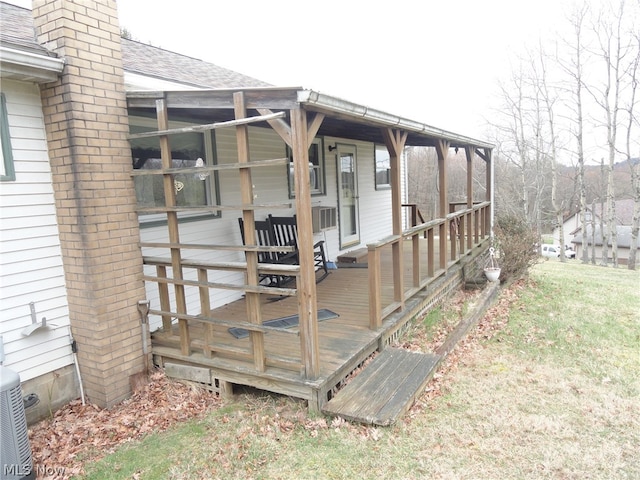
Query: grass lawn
{"x": 548, "y": 386}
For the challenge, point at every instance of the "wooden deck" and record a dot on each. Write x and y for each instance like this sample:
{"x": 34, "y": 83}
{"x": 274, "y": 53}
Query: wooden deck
{"x": 345, "y": 341}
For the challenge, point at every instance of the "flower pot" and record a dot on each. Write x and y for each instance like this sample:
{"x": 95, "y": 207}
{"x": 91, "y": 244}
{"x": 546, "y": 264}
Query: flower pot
{"x": 492, "y": 274}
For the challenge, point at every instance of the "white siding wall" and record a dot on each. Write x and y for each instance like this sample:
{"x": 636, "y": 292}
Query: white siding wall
{"x": 31, "y": 265}
{"x": 270, "y": 186}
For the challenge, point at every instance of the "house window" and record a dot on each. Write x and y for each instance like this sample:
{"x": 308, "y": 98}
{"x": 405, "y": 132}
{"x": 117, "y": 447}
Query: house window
{"x": 7, "y": 172}
{"x": 383, "y": 168}
{"x": 187, "y": 150}
{"x": 316, "y": 169}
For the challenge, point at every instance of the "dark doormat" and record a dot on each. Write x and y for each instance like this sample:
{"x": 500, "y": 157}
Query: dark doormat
{"x": 284, "y": 322}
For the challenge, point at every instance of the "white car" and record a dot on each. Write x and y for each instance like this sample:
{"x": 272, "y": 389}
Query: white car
{"x": 554, "y": 251}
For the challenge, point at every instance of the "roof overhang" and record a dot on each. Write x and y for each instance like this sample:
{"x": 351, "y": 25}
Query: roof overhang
{"x": 16, "y": 64}
{"x": 334, "y": 106}
{"x": 343, "y": 119}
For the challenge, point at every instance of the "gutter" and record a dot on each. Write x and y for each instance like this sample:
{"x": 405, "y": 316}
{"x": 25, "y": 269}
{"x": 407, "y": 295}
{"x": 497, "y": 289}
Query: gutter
{"x": 29, "y": 66}
{"x": 337, "y": 105}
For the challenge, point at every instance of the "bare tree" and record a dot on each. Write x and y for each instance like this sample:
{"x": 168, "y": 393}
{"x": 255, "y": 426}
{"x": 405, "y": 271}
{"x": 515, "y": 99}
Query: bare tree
{"x": 615, "y": 52}
{"x": 633, "y": 125}
{"x": 522, "y": 143}
{"x": 549, "y": 98}
{"x": 574, "y": 69}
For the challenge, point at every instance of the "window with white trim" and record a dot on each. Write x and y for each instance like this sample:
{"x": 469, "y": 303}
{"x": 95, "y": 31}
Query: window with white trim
{"x": 382, "y": 167}
{"x": 316, "y": 169}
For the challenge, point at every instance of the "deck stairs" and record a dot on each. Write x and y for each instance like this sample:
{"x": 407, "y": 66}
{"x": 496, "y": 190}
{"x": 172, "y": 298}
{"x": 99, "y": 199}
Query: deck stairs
{"x": 385, "y": 389}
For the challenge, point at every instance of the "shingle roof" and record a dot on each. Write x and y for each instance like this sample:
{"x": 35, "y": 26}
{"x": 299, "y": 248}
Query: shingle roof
{"x": 623, "y": 234}
{"x": 16, "y": 30}
{"x": 158, "y": 63}
{"x": 624, "y": 211}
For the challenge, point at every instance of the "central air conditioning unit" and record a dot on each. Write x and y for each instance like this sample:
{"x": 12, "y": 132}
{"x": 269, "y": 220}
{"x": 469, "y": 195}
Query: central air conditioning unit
{"x": 323, "y": 218}
{"x": 15, "y": 450}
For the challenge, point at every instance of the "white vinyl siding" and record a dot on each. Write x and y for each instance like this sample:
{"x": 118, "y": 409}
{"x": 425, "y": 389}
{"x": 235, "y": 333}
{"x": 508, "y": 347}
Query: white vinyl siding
{"x": 30, "y": 245}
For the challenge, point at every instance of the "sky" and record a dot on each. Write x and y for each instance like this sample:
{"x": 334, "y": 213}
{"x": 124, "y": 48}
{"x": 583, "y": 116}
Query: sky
{"x": 433, "y": 61}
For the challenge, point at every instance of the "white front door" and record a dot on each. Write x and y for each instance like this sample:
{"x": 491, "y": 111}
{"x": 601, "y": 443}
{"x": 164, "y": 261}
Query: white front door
{"x": 348, "y": 196}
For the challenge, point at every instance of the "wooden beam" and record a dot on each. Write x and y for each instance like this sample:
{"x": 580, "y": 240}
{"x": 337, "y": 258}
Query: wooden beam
{"x": 213, "y": 208}
{"x": 254, "y": 313}
{"x": 284, "y": 130}
{"x": 307, "y": 299}
{"x": 212, "y": 168}
{"x": 209, "y": 126}
{"x": 281, "y": 127}
{"x": 483, "y": 153}
{"x": 172, "y": 224}
{"x": 314, "y": 126}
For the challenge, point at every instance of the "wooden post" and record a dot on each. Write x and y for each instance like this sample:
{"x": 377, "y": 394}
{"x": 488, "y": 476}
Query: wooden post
{"x": 375, "y": 286}
{"x": 462, "y": 220}
{"x": 172, "y": 224}
{"x": 489, "y": 189}
{"x": 205, "y": 309}
{"x": 165, "y": 301}
{"x": 442, "y": 149}
{"x": 415, "y": 243}
{"x": 307, "y": 300}
{"x": 395, "y": 141}
{"x": 254, "y": 314}
{"x": 470, "y": 152}
{"x": 431, "y": 253}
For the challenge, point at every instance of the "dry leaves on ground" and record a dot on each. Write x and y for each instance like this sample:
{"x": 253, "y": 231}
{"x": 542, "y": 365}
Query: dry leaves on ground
{"x": 79, "y": 433}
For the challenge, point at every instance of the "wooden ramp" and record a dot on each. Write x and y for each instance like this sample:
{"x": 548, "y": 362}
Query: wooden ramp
{"x": 385, "y": 389}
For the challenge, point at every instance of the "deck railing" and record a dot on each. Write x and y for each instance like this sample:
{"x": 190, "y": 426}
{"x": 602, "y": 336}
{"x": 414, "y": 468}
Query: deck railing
{"x": 209, "y": 345}
{"x": 446, "y": 241}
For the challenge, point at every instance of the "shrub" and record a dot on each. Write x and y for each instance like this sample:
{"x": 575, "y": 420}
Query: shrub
{"x": 516, "y": 244}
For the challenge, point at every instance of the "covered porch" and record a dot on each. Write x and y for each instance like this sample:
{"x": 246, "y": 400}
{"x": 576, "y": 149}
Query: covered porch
{"x": 410, "y": 268}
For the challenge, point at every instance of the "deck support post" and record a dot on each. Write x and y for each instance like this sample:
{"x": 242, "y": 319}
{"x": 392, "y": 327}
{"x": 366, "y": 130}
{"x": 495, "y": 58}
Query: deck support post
{"x": 172, "y": 224}
{"x": 306, "y": 280}
{"x": 489, "y": 195}
{"x": 442, "y": 149}
{"x": 470, "y": 151}
{"x": 487, "y": 224}
{"x": 254, "y": 314}
{"x": 395, "y": 141}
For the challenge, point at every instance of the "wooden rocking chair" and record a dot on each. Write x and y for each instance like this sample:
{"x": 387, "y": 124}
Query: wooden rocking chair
{"x": 285, "y": 233}
{"x": 265, "y": 238}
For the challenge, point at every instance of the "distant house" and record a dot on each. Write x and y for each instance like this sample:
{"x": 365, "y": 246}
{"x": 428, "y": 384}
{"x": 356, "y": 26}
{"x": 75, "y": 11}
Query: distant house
{"x": 126, "y": 170}
{"x": 574, "y": 236}
{"x": 623, "y": 238}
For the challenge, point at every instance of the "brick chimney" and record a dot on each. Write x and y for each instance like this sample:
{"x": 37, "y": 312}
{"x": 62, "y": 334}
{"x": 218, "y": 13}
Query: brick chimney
{"x": 86, "y": 122}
